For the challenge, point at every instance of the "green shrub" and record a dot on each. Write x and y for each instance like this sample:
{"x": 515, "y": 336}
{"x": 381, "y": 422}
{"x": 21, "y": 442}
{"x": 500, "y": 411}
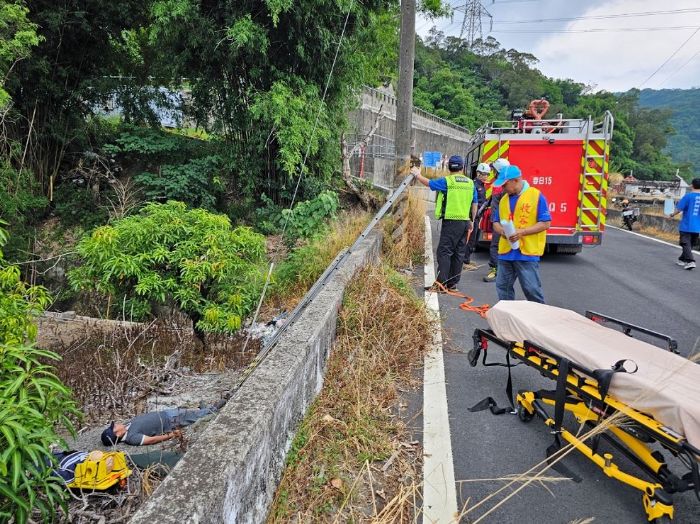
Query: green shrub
{"x": 306, "y": 262}
{"x": 76, "y": 206}
{"x": 21, "y": 203}
{"x": 33, "y": 402}
{"x": 311, "y": 217}
{"x": 172, "y": 166}
{"x": 169, "y": 254}
{"x": 197, "y": 182}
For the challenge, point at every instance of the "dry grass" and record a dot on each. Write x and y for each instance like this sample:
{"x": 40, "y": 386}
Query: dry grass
{"x": 351, "y": 459}
{"x": 649, "y": 231}
{"x": 112, "y": 374}
{"x": 657, "y": 233}
{"x": 304, "y": 265}
{"x": 408, "y": 249}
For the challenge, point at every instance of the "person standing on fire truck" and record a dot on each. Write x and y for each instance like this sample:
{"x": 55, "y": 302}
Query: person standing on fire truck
{"x": 455, "y": 204}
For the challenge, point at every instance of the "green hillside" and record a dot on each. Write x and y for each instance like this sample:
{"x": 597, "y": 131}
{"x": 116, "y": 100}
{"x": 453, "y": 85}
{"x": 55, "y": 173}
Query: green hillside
{"x": 684, "y": 145}
{"x": 472, "y": 86}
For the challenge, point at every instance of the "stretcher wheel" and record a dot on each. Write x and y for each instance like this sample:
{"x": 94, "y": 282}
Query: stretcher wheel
{"x": 523, "y": 414}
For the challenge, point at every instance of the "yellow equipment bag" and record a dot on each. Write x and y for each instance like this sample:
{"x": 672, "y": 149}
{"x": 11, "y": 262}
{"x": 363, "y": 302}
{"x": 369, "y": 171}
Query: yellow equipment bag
{"x": 101, "y": 470}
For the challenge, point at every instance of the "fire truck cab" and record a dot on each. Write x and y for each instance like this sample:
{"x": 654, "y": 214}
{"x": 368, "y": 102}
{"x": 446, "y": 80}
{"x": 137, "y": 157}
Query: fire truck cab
{"x": 566, "y": 159}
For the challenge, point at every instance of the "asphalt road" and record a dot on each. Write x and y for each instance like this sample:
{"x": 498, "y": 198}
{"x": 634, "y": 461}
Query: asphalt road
{"x": 628, "y": 277}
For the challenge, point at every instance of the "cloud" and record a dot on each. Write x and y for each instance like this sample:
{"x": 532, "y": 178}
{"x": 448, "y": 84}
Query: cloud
{"x": 617, "y": 61}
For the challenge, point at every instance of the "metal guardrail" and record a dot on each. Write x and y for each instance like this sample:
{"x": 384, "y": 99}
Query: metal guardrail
{"x": 579, "y": 125}
{"x": 387, "y": 98}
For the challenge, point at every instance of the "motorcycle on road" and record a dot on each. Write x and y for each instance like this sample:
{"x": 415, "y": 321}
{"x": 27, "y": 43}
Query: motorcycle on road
{"x": 629, "y": 216}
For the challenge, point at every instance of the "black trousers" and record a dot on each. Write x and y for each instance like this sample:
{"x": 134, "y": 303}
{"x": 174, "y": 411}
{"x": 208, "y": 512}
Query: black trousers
{"x": 450, "y": 251}
{"x": 686, "y": 241}
{"x": 471, "y": 246}
{"x": 493, "y": 250}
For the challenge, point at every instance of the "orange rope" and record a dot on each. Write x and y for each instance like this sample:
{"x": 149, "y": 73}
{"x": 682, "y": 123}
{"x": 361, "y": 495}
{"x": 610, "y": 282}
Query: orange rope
{"x": 466, "y": 305}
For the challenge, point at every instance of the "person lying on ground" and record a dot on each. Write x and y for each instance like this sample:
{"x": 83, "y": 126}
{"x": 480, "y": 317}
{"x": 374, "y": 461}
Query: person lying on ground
{"x": 155, "y": 427}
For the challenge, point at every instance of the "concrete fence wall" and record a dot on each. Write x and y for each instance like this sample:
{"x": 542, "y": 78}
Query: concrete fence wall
{"x": 669, "y": 225}
{"x": 231, "y": 472}
{"x": 430, "y": 133}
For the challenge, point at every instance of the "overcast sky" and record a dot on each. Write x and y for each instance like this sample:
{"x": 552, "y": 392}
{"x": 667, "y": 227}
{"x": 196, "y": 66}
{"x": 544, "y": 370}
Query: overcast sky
{"x": 623, "y": 56}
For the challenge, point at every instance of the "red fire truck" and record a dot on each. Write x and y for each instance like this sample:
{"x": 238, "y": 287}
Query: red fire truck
{"x": 566, "y": 159}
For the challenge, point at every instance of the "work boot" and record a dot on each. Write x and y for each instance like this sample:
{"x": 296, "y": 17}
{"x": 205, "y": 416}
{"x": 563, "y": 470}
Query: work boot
{"x": 470, "y": 266}
{"x": 491, "y": 276}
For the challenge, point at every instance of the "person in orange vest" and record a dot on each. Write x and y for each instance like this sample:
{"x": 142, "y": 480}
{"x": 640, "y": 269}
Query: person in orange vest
{"x": 527, "y": 209}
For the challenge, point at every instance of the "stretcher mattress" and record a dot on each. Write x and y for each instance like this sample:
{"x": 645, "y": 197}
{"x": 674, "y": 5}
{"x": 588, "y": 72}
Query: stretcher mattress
{"x": 666, "y": 386}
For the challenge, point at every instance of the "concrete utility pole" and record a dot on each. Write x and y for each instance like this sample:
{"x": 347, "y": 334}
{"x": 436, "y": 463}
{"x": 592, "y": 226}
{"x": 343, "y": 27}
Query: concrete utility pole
{"x": 404, "y": 98}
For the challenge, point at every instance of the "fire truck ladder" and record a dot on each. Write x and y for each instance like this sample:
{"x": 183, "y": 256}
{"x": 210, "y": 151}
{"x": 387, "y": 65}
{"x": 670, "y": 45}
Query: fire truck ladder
{"x": 593, "y": 186}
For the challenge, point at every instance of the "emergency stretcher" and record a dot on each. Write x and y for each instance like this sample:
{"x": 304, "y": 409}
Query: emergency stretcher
{"x": 635, "y": 396}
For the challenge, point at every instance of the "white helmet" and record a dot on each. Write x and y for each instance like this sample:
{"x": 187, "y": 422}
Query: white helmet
{"x": 500, "y": 163}
{"x": 483, "y": 168}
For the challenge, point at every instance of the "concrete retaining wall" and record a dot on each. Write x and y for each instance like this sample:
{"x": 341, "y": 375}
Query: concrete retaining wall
{"x": 56, "y": 330}
{"x": 231, "y": 472}
{"x": 668, "y": 225}
{"x": 430, "y": 133}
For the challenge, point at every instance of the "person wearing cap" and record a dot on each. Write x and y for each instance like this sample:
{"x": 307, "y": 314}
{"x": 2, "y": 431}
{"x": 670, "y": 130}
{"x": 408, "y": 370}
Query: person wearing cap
{"x": 527, "y": 208}
{"x": 493, "y": 196}
{"x": 455, "y": 205}
{"x": 689, "y": 226}
{"x": 482, "y": 174}
{"x": 156, "y": 426}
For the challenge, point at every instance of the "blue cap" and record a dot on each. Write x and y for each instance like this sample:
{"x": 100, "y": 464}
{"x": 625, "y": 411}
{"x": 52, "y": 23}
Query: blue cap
{"x": 455, "y": 163}
{"x": 507, "y": 173}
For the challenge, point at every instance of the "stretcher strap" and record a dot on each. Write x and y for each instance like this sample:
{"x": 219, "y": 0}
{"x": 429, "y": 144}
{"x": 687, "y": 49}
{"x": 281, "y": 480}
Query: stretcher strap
{"x": 489, "y": 402}
{"x": 560, "y": 396}
{"x": 694, "y": 473}
{"x": 604, "y": 377}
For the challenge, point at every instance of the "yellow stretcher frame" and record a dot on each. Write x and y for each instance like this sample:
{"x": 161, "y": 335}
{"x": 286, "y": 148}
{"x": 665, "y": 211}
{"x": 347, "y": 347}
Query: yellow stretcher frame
{"x": 584, "y": 402}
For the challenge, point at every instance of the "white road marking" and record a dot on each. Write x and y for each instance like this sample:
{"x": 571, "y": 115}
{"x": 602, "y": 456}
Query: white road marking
{"x": 649, "y": 238}
{"x": 439, "y": 491}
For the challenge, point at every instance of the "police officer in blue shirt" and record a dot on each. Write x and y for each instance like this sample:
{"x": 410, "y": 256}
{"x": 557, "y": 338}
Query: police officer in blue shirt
{"x": 455, "y": 205}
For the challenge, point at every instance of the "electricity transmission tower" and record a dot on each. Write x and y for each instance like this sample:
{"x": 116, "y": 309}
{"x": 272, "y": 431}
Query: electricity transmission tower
{"x": 471, "y": 25}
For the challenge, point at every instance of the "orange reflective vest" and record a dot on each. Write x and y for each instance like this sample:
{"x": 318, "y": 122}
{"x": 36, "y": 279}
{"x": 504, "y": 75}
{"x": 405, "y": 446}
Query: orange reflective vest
{"x": 525, "y": 215}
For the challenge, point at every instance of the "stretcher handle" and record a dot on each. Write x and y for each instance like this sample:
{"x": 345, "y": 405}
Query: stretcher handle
{"x": 627, "y": 329}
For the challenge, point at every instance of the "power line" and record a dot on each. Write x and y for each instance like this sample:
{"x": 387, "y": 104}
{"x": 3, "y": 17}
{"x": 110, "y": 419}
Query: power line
{"x": 601, "y": 17}
{"x": 516, "y": 2}
{"x": 679, "y": 69}
{"x": 670, "y": 57}
{"x": 596, "y": 30}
